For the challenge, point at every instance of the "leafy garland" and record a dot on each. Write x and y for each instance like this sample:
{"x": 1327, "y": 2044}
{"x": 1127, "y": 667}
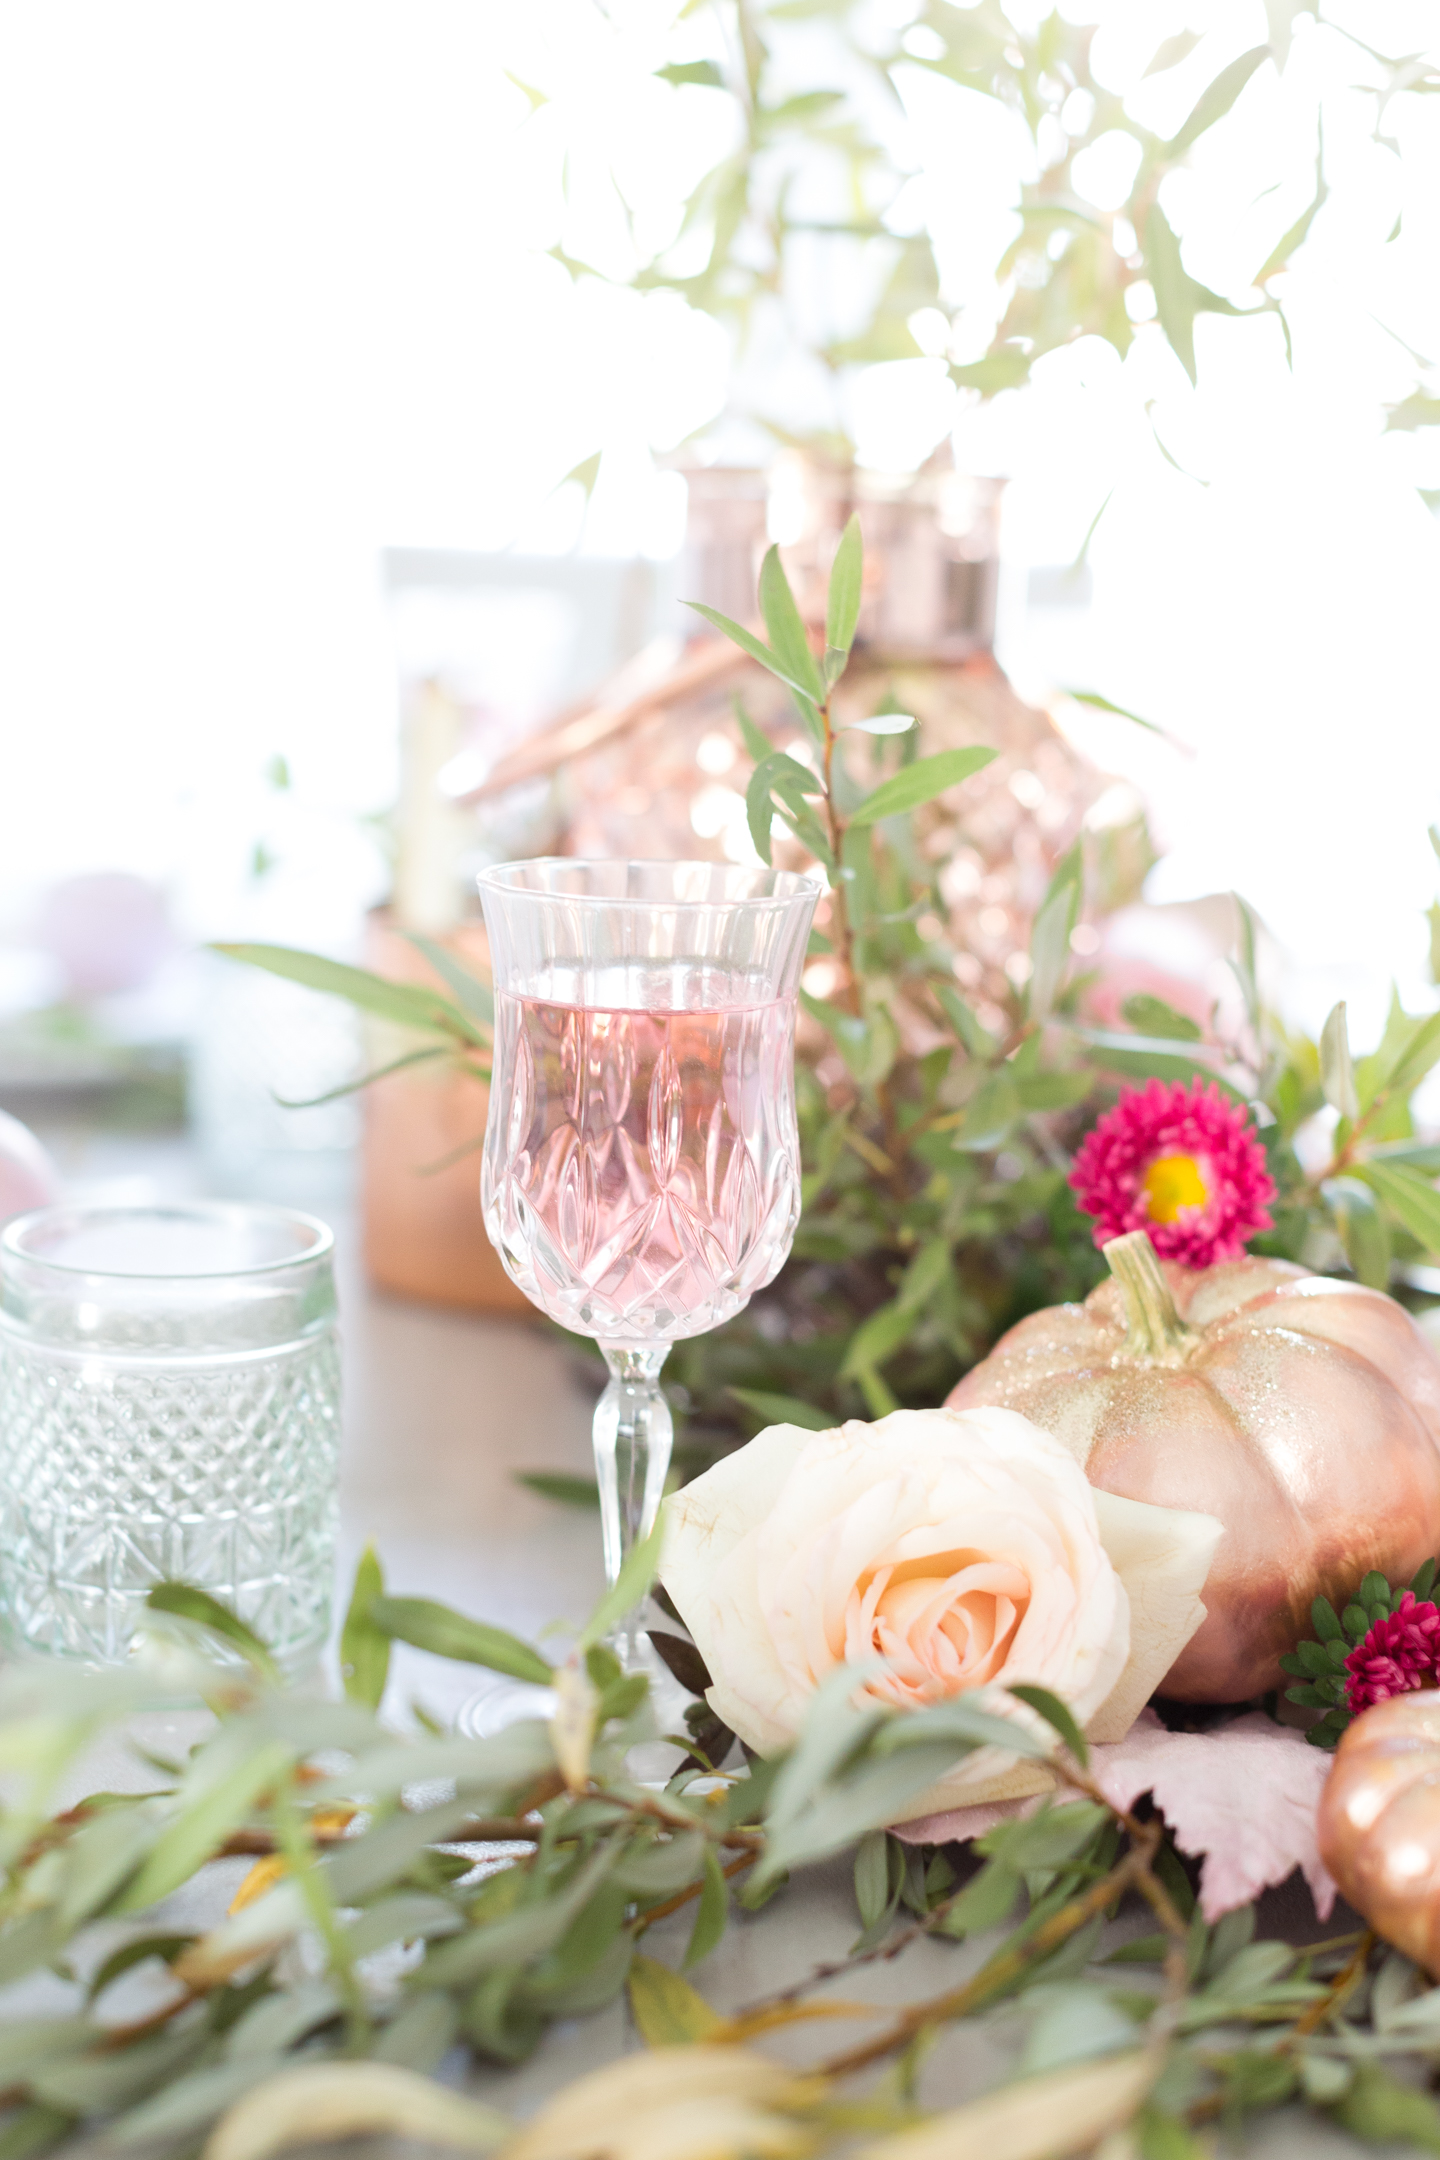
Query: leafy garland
{"x": 411, "y": 1894}
{"x": 1326, "y": 1663}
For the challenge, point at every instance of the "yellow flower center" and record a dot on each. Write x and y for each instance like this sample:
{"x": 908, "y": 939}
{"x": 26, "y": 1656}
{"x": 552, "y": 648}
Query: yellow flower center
{"x": 1173, "y": 1182}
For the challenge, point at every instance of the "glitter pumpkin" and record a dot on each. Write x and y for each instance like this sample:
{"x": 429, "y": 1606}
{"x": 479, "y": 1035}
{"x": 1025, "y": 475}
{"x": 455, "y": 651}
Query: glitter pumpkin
{"x": 1302, "y": 1411}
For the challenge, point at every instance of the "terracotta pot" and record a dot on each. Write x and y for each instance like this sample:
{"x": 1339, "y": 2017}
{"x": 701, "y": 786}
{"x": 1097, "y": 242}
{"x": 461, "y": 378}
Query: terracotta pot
{"x": 424, "y": 1237}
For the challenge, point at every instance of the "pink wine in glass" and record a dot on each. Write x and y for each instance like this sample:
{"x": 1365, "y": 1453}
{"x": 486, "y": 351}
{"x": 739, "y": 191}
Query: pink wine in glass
{"x": 641, "y": 1175}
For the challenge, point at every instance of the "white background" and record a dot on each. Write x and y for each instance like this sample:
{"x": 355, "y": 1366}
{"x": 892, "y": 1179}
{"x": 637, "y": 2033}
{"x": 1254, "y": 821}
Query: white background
{"x": 276, "y": 298}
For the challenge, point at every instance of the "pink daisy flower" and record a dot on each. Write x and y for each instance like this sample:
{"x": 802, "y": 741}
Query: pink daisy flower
{"x": 1181, "y": 1162}
{"x": 1399, "y": 1654}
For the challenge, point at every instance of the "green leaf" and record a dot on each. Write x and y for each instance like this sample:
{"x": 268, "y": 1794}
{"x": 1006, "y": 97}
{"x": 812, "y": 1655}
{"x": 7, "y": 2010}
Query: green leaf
{"x": 1215, "y": 101}
{"x": 353, "y": 1087}
{"x": 1326, "y": 1621}
{"x": 757, "y": 742}
{"x": 197, "y": 1834}
{"x": 406, "y": 1004}
{"x": 877, "y": 1339}
{"x": 1363, "y": 1230}
{"x": 843, "y": 607}
{"x": 1423, "y": 1581}
{"x": 637, "y": 1572}
{"x": 1050, "y": 947}
{"x": 779, "y": 774}
{"x": 711, "y": 1910}
{"x": 703, "y": 72}
{"x": 667, "y": 2011}
{"x": 34, "y": 2129}
{"x": 1409, "y": 1196}
{"x": 783, "y": 1409}
{"x": 748, "y": 642}
{"x": 1121, "y": 712}
{"x": 1381, "y": 2110}
{"x": 519, "y": 1936}
{"x": 787, "y": 632}
{"x": 1152, "y": 1016}
{"x": 869, "y": 1044}
{"x": 987, "y": 1900}
{"x": 869, "y": 1796}
{"x": 1337, "y": 1074}
{"x": 1417, "y": 1051}
{"x": 577, "y": 1492}
{"x": 885, "y": 723}
{"x": 1296, "y": 235}
{"x": 1057, "y": 1715}
{"x": 872, "y": 1876}
{"x": 977, "y": 1039}
{"x": 472, "y": 995}
{"x": 1173, "y": 51}
{"x": 1148, "y": 1058}
{"x": 990, "y": 1113}
{"x": 1049, "y": 1839}
{"x": 920, "y": 783}
{"x": 364, "y": 1647}
{"x": 188, "y": 1602}
{"x": 426, "y": 1625}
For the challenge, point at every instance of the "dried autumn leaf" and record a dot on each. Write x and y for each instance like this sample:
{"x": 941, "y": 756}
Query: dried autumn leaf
{"x": 323, "y": 2101}
{"x": 679, "y": 2103}
{"x": 262, "y": 1877}
{"x": 1242, "y": 1799}
{"x": 572, "y": 1728}
{"x": 1041, "y": 2118}
{"x": 251, "y": 1933}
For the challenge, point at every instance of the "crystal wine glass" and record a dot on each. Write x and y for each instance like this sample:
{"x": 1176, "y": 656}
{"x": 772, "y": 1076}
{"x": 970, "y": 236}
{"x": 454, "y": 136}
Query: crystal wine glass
{"x": 642, "y": 1174}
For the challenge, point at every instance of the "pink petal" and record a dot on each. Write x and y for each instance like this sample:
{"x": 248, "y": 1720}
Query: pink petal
{"x": 1243, "y": 1799}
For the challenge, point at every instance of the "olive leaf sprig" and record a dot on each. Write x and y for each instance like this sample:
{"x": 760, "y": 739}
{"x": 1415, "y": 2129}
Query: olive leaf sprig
{"x": 408, "y": 1893}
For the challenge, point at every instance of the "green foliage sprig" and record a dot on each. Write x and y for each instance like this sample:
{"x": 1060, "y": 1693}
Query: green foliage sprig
{"x": 410, "y": 1893}
{"x": 935, "y": 1149}
{"x": 824, "y": 110}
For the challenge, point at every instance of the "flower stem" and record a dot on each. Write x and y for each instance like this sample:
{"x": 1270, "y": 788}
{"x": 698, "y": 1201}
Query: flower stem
{"x": 1155, "y": 1332}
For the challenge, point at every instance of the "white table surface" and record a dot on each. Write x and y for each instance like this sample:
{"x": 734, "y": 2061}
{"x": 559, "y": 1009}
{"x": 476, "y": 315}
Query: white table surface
{"x": 441, "y": 1409}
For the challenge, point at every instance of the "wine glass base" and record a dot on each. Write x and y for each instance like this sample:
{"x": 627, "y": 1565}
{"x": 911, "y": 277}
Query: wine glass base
{"x": 500, "y": 1702}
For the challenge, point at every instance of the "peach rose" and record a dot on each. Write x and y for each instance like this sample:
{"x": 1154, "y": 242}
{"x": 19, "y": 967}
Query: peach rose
{"x": 966, "y": 1548}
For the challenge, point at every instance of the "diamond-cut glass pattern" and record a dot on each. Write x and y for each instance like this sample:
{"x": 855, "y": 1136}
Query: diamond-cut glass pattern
{"x": 643, "y": 1181}
{"x": 116, "y": 1473}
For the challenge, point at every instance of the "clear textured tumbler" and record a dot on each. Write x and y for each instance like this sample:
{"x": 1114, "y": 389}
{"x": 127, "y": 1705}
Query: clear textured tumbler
{"x": 169, "y": 1406}
{"x": 641, "y": 1174}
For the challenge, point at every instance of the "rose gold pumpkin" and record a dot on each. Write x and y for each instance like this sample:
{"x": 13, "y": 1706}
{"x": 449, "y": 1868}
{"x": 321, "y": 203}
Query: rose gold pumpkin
{"x": 1302, "y": 1411}
{"x": 1378, "y": 1824}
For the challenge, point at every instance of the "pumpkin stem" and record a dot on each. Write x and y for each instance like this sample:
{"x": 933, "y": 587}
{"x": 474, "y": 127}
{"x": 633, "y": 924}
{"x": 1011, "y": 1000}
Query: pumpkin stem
{"x": 1155, "y": 1327}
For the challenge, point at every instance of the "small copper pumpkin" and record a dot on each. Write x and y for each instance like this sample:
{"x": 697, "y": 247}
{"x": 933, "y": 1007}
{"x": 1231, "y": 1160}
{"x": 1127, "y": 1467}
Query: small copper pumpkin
{"x": 1302, "y": 1411}
{"x": 1378, "y": 1825}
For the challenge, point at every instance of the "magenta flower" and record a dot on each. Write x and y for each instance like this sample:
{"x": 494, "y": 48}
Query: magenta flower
{"x": 1400, "y": 1653}
{"x": 1183, "y": 1163}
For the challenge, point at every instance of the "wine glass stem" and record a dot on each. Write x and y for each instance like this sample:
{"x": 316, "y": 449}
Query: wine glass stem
{"x": 633, "y": 1438}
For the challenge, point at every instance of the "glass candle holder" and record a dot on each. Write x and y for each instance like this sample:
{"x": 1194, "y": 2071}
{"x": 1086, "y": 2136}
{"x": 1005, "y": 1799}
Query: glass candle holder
{"x": 169, "y": 1407}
